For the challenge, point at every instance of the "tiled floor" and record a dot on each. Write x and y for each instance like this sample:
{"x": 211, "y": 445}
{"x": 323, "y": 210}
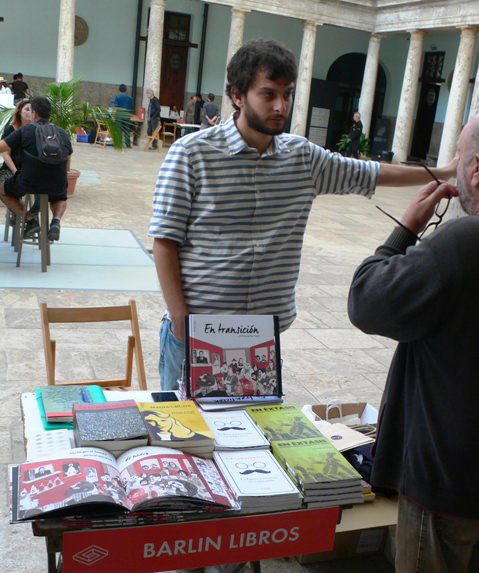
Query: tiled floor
{"x": 324, "y": 357}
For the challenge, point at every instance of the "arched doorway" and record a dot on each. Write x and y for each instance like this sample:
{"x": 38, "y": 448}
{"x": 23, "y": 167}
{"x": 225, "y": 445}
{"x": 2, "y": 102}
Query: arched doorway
{"x": 346, "y": 74}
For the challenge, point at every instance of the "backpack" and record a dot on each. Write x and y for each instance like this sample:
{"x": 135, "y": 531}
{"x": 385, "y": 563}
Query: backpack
{"x": 51, "y": 147}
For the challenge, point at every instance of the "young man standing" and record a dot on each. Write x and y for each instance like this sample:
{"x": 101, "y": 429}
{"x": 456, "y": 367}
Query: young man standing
{"x": 232, "y": 202}
{"x": 35, "y": 176}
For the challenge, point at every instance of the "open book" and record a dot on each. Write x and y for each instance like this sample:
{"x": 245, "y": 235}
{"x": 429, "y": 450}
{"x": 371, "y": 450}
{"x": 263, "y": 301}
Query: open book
{"x": 90, "y": 481}
{"x": 232, "y": 359}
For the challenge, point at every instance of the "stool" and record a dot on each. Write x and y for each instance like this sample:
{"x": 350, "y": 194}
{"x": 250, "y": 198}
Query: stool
{"x": 42, "y": 238}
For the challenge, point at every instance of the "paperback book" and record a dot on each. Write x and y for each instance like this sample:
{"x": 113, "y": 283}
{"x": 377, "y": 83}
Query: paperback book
{"x": 230, "y": 358}
{"x": 235, "y": 431}
{"x": 283, "y": 422}
{"x": 58, "y": 401}
{"x": 318, "y": 469}
{"x": 90, "y": 481}
{"x": 258, "y": 481}
{"x": 113, "y": 426}
{"x": 178, "y": 425}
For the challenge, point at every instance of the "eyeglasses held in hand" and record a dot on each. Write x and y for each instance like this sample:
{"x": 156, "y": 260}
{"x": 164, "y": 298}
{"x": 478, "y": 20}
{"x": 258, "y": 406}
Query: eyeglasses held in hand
{"x": 439, "y": 210}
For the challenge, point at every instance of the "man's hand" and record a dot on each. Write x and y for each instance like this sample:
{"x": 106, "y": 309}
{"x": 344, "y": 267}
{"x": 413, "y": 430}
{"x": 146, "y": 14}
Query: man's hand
{"x": 178, "y": 327}
{"x": 421, "y": 208}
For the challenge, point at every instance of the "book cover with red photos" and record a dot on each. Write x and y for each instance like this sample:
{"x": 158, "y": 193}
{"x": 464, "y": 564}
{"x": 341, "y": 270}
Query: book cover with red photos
{"x": 232, "y": 359}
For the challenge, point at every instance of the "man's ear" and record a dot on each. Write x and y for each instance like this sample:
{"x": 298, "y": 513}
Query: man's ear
{"x": 236, "y": 97}
{"x": 475, "y": 172}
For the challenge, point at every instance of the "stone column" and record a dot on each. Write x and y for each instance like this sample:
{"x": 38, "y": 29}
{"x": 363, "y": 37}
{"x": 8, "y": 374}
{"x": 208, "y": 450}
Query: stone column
{"x": 457, "y": 97}
{"x": 303, "y": 85}
{"x": 235, "y": 42}
{"x": 474, "y": 109}
{"x": 368, "y": 88}
{"x": 405, "y": 116}
{"x": 66, "y": 41}
{"x": 154, "y": 49}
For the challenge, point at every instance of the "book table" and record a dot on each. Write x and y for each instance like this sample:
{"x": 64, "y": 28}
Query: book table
{"x": 146, "y": 543}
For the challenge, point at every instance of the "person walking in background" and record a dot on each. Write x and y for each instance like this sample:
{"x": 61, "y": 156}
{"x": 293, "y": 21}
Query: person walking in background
{"x": 19, "y": 88}
{"x": 153, "y": 115}
{"x": 211, "y": 112}
{"x": 190, "y": 110}
{"x": 124, "y": 102}
{"x": 199, "y": 109}
{"x": 422, "y": 292}
{"x": 355, "y": 136}
{"x": 4, "y": 88}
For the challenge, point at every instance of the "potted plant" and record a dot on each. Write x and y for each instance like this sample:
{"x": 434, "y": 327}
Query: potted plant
{"x": 364, "y": 144}
{"x": 73, "y": 114}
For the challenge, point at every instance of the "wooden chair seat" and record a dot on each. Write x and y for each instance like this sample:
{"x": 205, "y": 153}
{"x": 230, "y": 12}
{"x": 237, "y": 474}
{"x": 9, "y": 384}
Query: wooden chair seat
{"x": 102, "y": 133}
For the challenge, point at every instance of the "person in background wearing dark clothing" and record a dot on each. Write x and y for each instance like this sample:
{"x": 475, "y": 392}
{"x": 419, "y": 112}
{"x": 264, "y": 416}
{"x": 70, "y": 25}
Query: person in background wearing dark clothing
{"x": 154, "y": 113}
{"x": 125, "y": 102}
{"x": 36, "y": 177}
{"x": 355, "y": 136}
{"x": 199, "y": 109}
{"x": 211, "y": 112}
{"x": 423, "y": 294}
{"x": 19, "y": 88}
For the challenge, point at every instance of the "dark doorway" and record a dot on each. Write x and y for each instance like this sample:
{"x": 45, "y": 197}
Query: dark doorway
{"x": 341, "y": 93}
{"x": 426, "y": 111}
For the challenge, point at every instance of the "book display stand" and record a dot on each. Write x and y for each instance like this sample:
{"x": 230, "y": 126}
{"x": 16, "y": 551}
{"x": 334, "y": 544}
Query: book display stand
{"x": 147, "y": 543}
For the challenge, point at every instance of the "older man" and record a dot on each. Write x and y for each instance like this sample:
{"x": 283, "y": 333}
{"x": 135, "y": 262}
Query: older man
{"x": 424, "y": 294}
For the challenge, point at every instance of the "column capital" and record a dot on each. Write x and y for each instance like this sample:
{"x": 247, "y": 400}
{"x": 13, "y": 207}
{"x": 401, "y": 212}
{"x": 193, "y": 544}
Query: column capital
{"x": 376, "y": 37}
{"x": 417, "y": 33}
{"x": 468, "y": 29}
{"x": 239, "y": 11}
{"x": 311, "y": 24}
{"x": 160, "y": 3}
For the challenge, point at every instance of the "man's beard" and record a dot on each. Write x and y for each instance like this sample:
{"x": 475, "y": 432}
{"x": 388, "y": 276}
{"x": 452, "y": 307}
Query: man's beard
{"x": 465, "y": 198}
{"x": 255, "y": 122}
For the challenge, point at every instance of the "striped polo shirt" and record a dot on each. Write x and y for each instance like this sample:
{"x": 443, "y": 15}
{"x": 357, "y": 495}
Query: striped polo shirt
{"x": 239, "y": 217}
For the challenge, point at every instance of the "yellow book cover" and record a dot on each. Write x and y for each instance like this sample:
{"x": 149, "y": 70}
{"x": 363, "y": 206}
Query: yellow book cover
{"x": 171, "y": 424}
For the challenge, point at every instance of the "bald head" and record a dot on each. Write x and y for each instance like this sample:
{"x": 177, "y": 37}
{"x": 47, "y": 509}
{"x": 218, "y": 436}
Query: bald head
{"x": 468, "y": 167}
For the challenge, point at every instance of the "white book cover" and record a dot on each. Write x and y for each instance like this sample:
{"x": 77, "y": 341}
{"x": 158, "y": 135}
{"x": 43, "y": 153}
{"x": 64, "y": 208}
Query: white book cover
{"x": 255, "y": 474}
{"x": 235, "y": 430}
{"x": 229, "y": 357}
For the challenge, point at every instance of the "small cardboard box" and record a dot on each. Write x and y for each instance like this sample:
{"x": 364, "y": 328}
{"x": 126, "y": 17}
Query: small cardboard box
{"x": 333, "y": 411}
{"x": 363, "y": 530}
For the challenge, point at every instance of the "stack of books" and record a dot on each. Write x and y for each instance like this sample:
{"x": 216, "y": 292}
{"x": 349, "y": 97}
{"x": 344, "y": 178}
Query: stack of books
{"x": 258, "y": 481}
{"x": 55, "y": 403}
{"x": 320, "y": 471}
{"x": 112, "y": 426}
{"x": 178, "y": 425}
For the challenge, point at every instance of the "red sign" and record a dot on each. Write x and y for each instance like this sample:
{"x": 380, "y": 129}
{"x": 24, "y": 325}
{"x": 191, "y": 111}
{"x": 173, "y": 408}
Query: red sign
{"x": 200, "y": 543}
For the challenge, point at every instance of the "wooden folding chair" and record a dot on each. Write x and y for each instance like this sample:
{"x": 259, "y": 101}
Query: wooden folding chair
{"x": 155, "y": 136}
{"x": 169, "y": 132}
{"x": 102, "y": 133}
{"x": 89, "y": 315}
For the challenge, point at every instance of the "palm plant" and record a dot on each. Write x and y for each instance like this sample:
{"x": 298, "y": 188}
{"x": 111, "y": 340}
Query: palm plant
{"x": 70, "y": 111}
{"x": 364, "y": 144}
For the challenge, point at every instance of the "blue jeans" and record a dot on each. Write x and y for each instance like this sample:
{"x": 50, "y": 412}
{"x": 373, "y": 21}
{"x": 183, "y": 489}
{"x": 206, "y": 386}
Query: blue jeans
{"x": 172, "y": 355}
{"x": 435, "y": 543}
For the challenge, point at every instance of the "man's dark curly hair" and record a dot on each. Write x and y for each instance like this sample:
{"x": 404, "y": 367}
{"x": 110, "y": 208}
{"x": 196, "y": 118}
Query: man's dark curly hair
{"x": 276, "y": 59}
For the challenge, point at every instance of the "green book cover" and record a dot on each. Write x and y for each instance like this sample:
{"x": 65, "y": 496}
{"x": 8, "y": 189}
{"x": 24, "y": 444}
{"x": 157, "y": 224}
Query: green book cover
{"x": 314, "y": 462}
{"x": 56, "y": 402}
{"x": 283, "y": 422}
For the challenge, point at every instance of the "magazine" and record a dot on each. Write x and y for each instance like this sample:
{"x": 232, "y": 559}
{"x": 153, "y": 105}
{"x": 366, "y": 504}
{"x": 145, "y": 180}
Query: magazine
{"x": 84, "y": 481}
{"x": 232, "y": 357}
